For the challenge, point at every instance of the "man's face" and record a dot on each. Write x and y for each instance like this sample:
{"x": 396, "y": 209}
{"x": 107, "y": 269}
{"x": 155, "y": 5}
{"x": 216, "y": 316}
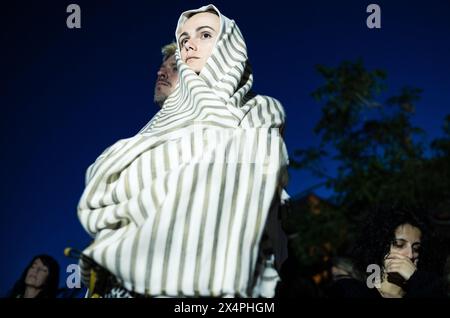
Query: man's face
{"x": 166, "y": 81}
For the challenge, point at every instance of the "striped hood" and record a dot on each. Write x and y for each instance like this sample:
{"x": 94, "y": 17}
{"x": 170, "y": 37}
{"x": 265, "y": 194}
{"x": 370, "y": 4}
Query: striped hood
{"x": 221, "y": 94}
{"x": 180, "y": 208}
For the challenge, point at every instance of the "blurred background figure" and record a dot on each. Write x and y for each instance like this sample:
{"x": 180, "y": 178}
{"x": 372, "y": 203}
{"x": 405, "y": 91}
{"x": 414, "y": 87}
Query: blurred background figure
{"x": 343, "y": 267}
{"x": 40, "y": 279}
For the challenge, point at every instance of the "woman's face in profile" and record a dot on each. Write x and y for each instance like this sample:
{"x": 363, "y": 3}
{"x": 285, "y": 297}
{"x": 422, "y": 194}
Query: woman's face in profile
{"x": 407, "y": 242}
{"x": 37, "y": 274}
{"x": 197, "y": 39}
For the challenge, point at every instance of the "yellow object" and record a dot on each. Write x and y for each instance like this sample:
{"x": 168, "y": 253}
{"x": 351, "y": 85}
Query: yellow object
{"x": 92, "y": 281}
{"x": 67, "y": 251}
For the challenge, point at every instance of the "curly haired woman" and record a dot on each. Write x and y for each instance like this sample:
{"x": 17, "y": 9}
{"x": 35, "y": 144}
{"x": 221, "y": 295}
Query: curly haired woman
{"x": 396, "y": 250}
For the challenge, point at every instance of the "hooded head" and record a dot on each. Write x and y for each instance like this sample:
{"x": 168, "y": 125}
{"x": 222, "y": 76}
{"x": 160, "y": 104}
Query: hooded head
{"x": 212, "y": 46}
{"x": 197, "y": 38}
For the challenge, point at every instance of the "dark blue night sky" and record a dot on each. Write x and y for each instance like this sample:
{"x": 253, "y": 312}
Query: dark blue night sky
{"x": 67, "y": 94}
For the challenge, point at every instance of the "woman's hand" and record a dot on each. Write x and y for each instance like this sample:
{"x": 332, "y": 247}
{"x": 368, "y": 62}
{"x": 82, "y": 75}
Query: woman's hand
{"x": 398, "y": 263}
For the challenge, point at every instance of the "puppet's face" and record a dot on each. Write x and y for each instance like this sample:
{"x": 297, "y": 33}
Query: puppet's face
{"x": 197, "y": 39}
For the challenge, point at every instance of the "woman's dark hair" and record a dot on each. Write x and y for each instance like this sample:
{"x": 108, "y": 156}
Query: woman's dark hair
{"x": 378, "y": 233}
{"x": 50, "y": 287}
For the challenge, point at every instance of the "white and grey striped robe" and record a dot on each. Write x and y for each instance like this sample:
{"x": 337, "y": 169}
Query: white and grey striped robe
{"x": 180, "y": 208}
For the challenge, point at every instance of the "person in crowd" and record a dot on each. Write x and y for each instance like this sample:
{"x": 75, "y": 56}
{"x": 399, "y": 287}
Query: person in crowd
{"x": 167, "y": 76}
{"x": 189, "y": 206}
{"x": 395, "y": 251}
{"x": 40, "y": 279}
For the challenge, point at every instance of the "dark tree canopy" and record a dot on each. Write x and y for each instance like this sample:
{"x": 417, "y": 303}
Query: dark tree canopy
{"x": 381, "y": 158}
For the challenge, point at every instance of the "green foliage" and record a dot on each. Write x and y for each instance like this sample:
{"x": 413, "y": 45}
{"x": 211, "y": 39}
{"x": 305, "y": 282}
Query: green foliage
{"x": 322, "y": 232}
{"x": 441, "y": 146}
{"x": 379, "y": 153}
{"x": 348, "y": 89}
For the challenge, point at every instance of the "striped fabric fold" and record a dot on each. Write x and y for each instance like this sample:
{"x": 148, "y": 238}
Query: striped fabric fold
{"x": 180, "y": 208}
